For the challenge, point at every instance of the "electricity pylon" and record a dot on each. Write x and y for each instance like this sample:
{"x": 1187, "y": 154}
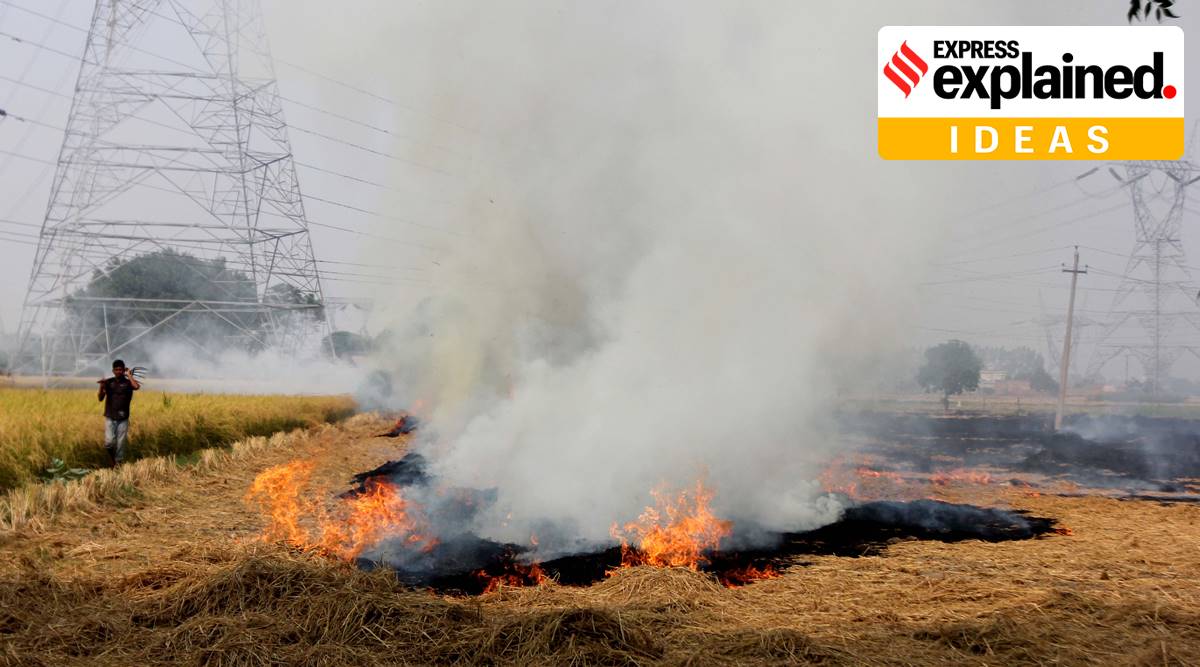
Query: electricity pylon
{"x": 186, "y": 157}
{"x": 1156, "y": 268}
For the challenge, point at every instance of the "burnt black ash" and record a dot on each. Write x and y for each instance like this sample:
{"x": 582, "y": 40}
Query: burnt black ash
{"x": 1138, "y": 454}
{"x": 404, "y": 425}
{"x": 408, "y": 471}
{"x": 464, "y": 563}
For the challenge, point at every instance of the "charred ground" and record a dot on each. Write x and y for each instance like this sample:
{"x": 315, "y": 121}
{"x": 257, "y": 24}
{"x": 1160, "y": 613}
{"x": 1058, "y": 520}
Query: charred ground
{"x": 173, "y": 575}
{"x": 1131, "y": 454}
{"x": 464, "y": 563}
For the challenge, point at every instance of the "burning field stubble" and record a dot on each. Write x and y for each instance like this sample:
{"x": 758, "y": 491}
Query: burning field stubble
{"x": 180, "y": 575}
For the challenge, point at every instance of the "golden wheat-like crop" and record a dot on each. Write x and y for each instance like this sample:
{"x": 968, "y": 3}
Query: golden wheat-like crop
{"x": 37, "y": 426}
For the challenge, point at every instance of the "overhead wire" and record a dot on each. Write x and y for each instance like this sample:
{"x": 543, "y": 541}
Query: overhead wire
{"x": 322, "y": 135}
{"x": 4, "y": 221}
{"x": 336, "y": 81}
{"x": 83, "y": 249}
{"x": 1008, "y": 225}
{"x": 315, "y": 223}
{"x": 304, "y": 196}
{"x": 993, "y": 242}
{"x": 308, "y": 221}
{"x": 25, "y": 74}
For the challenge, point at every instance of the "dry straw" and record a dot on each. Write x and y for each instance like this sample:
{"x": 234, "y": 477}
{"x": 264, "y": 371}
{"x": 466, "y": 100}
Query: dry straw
{"x": 1121, "y": 590}
{"x": 218, "y": 604}
{"x": 31, "y": 505}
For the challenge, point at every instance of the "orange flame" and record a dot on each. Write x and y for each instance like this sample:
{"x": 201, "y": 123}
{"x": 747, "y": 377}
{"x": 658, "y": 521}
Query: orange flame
{"x": 747, "y": 575}
{"x": 864, "y": 482}
{"x": 880, "y": 474}
{"x": 675, "y": 533}
{"x": 419, "y": 409}
{"x": 379, "y": 512}
{"x": 296, "y": 516}
{"x": 833, "y": 479}
{"x": 280, "y": 493}
{"x": 960, "y": 475}
{"x": 515, "y": 575}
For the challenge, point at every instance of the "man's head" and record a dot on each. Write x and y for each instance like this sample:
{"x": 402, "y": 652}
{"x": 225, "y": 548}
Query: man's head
{"x": 118, "y": 368}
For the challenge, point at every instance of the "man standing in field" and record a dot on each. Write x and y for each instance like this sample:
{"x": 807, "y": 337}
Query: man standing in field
{"x": 117, "y": 394}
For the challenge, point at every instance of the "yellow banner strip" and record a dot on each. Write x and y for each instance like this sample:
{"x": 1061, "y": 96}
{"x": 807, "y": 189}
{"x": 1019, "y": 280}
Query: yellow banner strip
{"x": 1031, "y": 138}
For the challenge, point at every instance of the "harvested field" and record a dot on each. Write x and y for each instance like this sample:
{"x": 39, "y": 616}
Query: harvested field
{"x": 174, "y": 574}
{"x": 39, "y": 425}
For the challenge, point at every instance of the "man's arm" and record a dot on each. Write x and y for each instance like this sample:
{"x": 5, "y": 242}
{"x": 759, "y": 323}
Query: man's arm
{"x": 133, "y": 382}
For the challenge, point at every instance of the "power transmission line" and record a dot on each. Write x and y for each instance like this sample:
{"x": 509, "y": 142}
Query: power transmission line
{"x": 321, "y": 135}
{"x": 297, "y": 67}
{"x": 313, "y": 223}
{"x": 174, "y": 128}
{"x": 228, "y": 181}
{"x": 1156, "y": 267}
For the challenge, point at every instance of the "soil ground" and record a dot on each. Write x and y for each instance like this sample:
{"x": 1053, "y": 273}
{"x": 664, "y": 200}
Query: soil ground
{"x": 177, "y": 575}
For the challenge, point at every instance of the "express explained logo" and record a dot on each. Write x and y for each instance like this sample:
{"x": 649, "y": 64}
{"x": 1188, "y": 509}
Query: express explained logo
{"x": 897, "y": 66}
{"x": 1021, "y": 76}
{"x": 1010, "y": 92}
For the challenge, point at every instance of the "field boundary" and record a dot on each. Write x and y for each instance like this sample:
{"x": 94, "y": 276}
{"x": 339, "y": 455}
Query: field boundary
{"x": 31, "y": 505}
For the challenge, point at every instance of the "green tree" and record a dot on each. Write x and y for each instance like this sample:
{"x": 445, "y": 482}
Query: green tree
{"x": 169, "y": 274}
{"x": 346, "y": 344}
{"x": 176, "y": 279}
{"x": 951, "y": 368}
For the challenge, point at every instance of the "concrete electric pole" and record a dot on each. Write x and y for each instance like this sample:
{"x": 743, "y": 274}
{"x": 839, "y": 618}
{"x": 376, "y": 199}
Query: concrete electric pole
{"x": 1066, "y": 355}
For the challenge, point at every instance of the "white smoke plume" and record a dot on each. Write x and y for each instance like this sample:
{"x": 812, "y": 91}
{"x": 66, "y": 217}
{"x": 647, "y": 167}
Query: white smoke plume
{"x": 174, "y": 365}
{"x": 679, "y": 246}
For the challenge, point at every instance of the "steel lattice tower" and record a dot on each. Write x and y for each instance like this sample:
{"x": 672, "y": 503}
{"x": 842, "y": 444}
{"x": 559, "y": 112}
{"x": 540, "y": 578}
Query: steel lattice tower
{"x": 188, "y": 154}
{"x": 1156, "y": 268}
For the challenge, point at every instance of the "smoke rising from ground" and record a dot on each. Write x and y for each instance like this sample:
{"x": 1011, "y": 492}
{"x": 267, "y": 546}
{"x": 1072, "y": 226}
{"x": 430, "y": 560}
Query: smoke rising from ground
{"x": 678, "y": 249}
{"x": 236, "y": 371}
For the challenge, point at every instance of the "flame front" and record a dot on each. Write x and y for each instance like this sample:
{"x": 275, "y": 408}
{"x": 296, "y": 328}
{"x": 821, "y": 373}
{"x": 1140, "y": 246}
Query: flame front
{"x": 960, "y": 476}
{"x": 279, "y": 491}
{"x": 377, "y": 513}
{"x": 676, "y": 532}
{"x": 296, "y": 516}
{"x": 514, "y": 575}
{"x": 865, "y": 482}
{"x": 747, "y": 575}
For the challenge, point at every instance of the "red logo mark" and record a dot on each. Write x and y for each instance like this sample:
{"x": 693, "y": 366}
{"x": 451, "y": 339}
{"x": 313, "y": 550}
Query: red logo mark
{"x": 900, "y": 70}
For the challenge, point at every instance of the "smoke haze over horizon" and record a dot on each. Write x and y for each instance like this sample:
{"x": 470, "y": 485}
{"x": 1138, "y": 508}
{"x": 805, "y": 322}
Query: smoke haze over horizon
{"x": 631, "y": 244}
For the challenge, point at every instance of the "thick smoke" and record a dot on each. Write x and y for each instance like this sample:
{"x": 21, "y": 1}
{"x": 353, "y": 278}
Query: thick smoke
{"x": 679, "y": 248}
{"x": 237, "y": 371}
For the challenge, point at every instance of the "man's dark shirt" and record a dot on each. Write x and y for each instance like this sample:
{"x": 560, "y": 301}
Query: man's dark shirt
{"x": 118, "y": 393}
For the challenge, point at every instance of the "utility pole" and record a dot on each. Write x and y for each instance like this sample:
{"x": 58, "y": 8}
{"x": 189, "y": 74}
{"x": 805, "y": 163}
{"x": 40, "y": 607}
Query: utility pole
{"x": 1066, "y": 355}
{"x": 1157, "y": 330}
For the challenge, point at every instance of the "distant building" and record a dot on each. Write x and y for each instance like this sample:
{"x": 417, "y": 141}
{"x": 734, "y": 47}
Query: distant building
{"x": 989, "y": 378}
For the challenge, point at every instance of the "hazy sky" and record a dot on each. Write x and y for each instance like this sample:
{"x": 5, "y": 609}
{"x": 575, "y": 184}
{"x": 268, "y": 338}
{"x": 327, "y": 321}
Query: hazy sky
{"x": 439, "y": 84}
